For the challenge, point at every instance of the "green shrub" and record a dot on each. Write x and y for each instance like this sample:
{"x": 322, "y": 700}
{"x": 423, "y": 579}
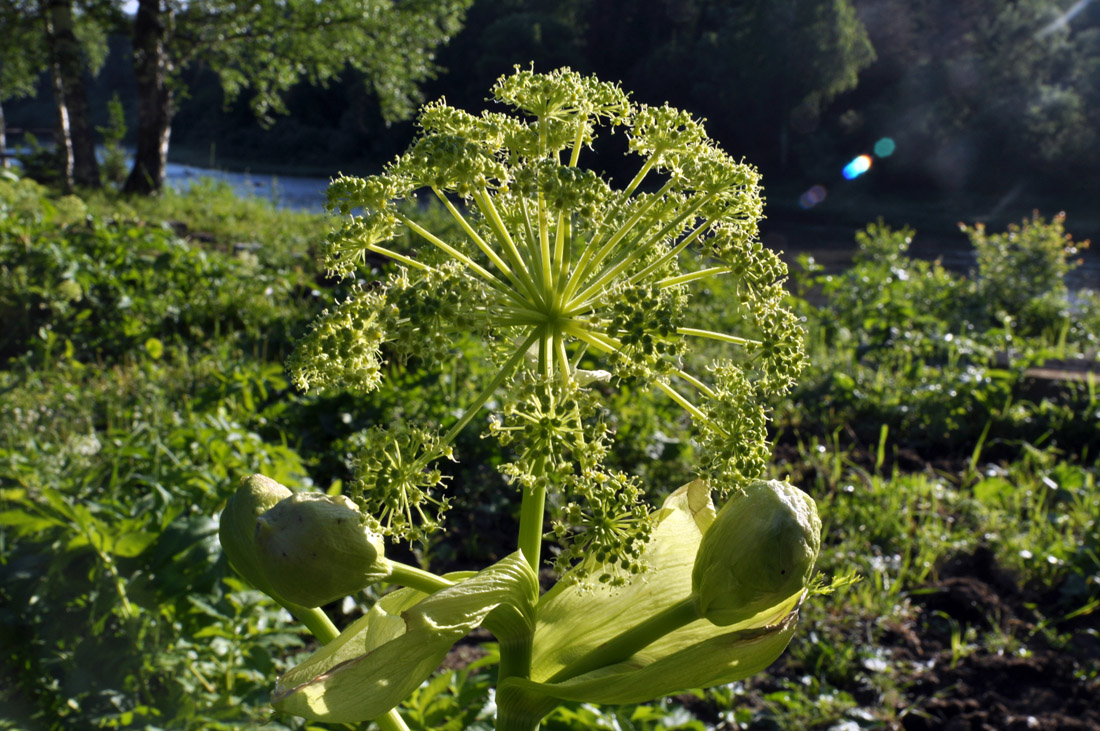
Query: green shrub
{"x": 106, "y": 287}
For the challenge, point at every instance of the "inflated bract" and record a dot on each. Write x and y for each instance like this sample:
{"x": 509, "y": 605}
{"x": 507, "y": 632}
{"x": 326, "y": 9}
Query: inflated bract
{"x": 237, "y": 530}
{"x": 574, "y": 622}
{"x": 759, "y": 552}
{"x": 379, "y": 660}
{"x": 314, "y": 549}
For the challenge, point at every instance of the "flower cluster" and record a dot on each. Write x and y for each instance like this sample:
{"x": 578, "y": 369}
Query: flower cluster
{"x": 555, "y": 269}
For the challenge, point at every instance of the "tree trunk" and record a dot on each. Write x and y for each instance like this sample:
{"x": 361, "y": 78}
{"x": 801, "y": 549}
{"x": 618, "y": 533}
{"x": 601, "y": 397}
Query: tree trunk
{"x": 3, "y": 140}
{"x": 65, "y": 51}
{"x": 152, "y": 67}
{"x": 63, "y": 141}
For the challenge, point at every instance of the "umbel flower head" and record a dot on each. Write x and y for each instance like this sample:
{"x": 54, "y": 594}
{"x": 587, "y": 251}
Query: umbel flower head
{"x": 563, "y": 275}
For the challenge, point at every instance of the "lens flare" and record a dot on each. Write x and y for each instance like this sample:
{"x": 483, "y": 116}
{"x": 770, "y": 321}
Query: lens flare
{"x": 816, "y": 194}
{"x": 885, "y": 147}
{"x": 857, "y": 167}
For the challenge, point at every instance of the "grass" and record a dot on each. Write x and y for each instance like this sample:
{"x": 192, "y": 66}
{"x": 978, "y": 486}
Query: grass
{"x": 143, "y": 377}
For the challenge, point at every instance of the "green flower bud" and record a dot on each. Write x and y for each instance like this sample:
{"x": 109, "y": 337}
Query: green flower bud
{"x": 237, "y": 529}
{"x": 314, "y": 549}
{"x": 758, "y": 553}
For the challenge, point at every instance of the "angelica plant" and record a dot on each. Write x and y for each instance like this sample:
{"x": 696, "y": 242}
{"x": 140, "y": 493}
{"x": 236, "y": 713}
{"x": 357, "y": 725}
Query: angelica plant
{"x": 574, "y": 285}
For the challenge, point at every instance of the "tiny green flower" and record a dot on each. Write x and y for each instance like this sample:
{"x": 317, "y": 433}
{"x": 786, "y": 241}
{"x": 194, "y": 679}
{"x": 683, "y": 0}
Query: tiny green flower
{"x": 396, "y": 482}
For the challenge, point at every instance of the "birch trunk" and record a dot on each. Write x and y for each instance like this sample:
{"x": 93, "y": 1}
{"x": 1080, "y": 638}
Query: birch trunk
{"x": 70, "y": 60}
{"x": 152, "y": 67}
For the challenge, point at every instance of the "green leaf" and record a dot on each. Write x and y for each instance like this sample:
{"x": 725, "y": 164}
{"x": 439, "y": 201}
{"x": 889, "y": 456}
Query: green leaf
{"x": 992, "y": 490}
{"x": 725, "y": 657}
{"x": 574, "y": 621}
{"x": 129, "y": 545}
{"x": 25, "y": 522}
{"x": 214, "y": 630}
{"x": 382, "y": 658}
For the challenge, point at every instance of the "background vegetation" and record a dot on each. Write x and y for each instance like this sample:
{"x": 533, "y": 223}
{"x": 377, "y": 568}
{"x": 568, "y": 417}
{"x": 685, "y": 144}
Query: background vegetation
{"x": 143, "y": 378}
{"x": 977, "y": 96}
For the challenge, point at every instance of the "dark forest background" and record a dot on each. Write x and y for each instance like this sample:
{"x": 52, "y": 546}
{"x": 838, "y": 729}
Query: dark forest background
{"x": 978, "y": 95}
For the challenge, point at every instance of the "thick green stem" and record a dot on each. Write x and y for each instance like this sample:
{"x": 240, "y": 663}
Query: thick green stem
{"x": 624, "y": 645}
{"x": 392, "y": 721}
{"x": 416, "y": 578}
{"x": 532, "y": 511}
{"x": 515, "y": 657}
{"x": 516, "y": 652}
{"x": 533, "y": 506}
{"x": 507, "y": 721}
{"x": 315, "y": 620}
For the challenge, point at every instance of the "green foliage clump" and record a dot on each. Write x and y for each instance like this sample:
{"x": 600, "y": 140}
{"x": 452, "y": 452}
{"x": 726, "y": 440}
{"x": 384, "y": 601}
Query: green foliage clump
{"x": 104, "y": 287}
{"x": 1021, "y": 278}
{"x": 121, "y": 428}
{"x": 941, "y": 358}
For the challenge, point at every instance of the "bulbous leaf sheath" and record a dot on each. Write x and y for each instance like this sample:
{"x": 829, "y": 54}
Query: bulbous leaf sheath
{"x": 759, "y": 552}
{"x": 575, "y": 623}
{"x": 237, "y": 529}
{"x": 314, "y": 549}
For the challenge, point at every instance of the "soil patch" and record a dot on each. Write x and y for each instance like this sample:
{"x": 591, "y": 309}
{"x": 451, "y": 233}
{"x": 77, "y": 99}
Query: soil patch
{"x": 1032, "y": 685}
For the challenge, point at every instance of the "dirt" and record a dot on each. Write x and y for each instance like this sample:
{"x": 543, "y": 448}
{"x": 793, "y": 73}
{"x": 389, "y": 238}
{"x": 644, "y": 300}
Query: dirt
{"x": 1032, "y": 685}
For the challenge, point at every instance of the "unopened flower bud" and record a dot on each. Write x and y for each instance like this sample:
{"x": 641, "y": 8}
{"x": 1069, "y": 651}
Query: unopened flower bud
{"x": 758, "y": 552}
{"x": 237, "y": 529}
{"x": 315, "y": 549}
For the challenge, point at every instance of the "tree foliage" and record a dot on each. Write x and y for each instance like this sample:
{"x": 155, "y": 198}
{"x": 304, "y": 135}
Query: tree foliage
{"x": 22, "y": 54}
{"x": 266, "y": 48}
{"x": 959, "y": 84}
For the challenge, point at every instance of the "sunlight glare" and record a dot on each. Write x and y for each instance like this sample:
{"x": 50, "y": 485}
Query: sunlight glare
{"x": 857, "y": 167}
